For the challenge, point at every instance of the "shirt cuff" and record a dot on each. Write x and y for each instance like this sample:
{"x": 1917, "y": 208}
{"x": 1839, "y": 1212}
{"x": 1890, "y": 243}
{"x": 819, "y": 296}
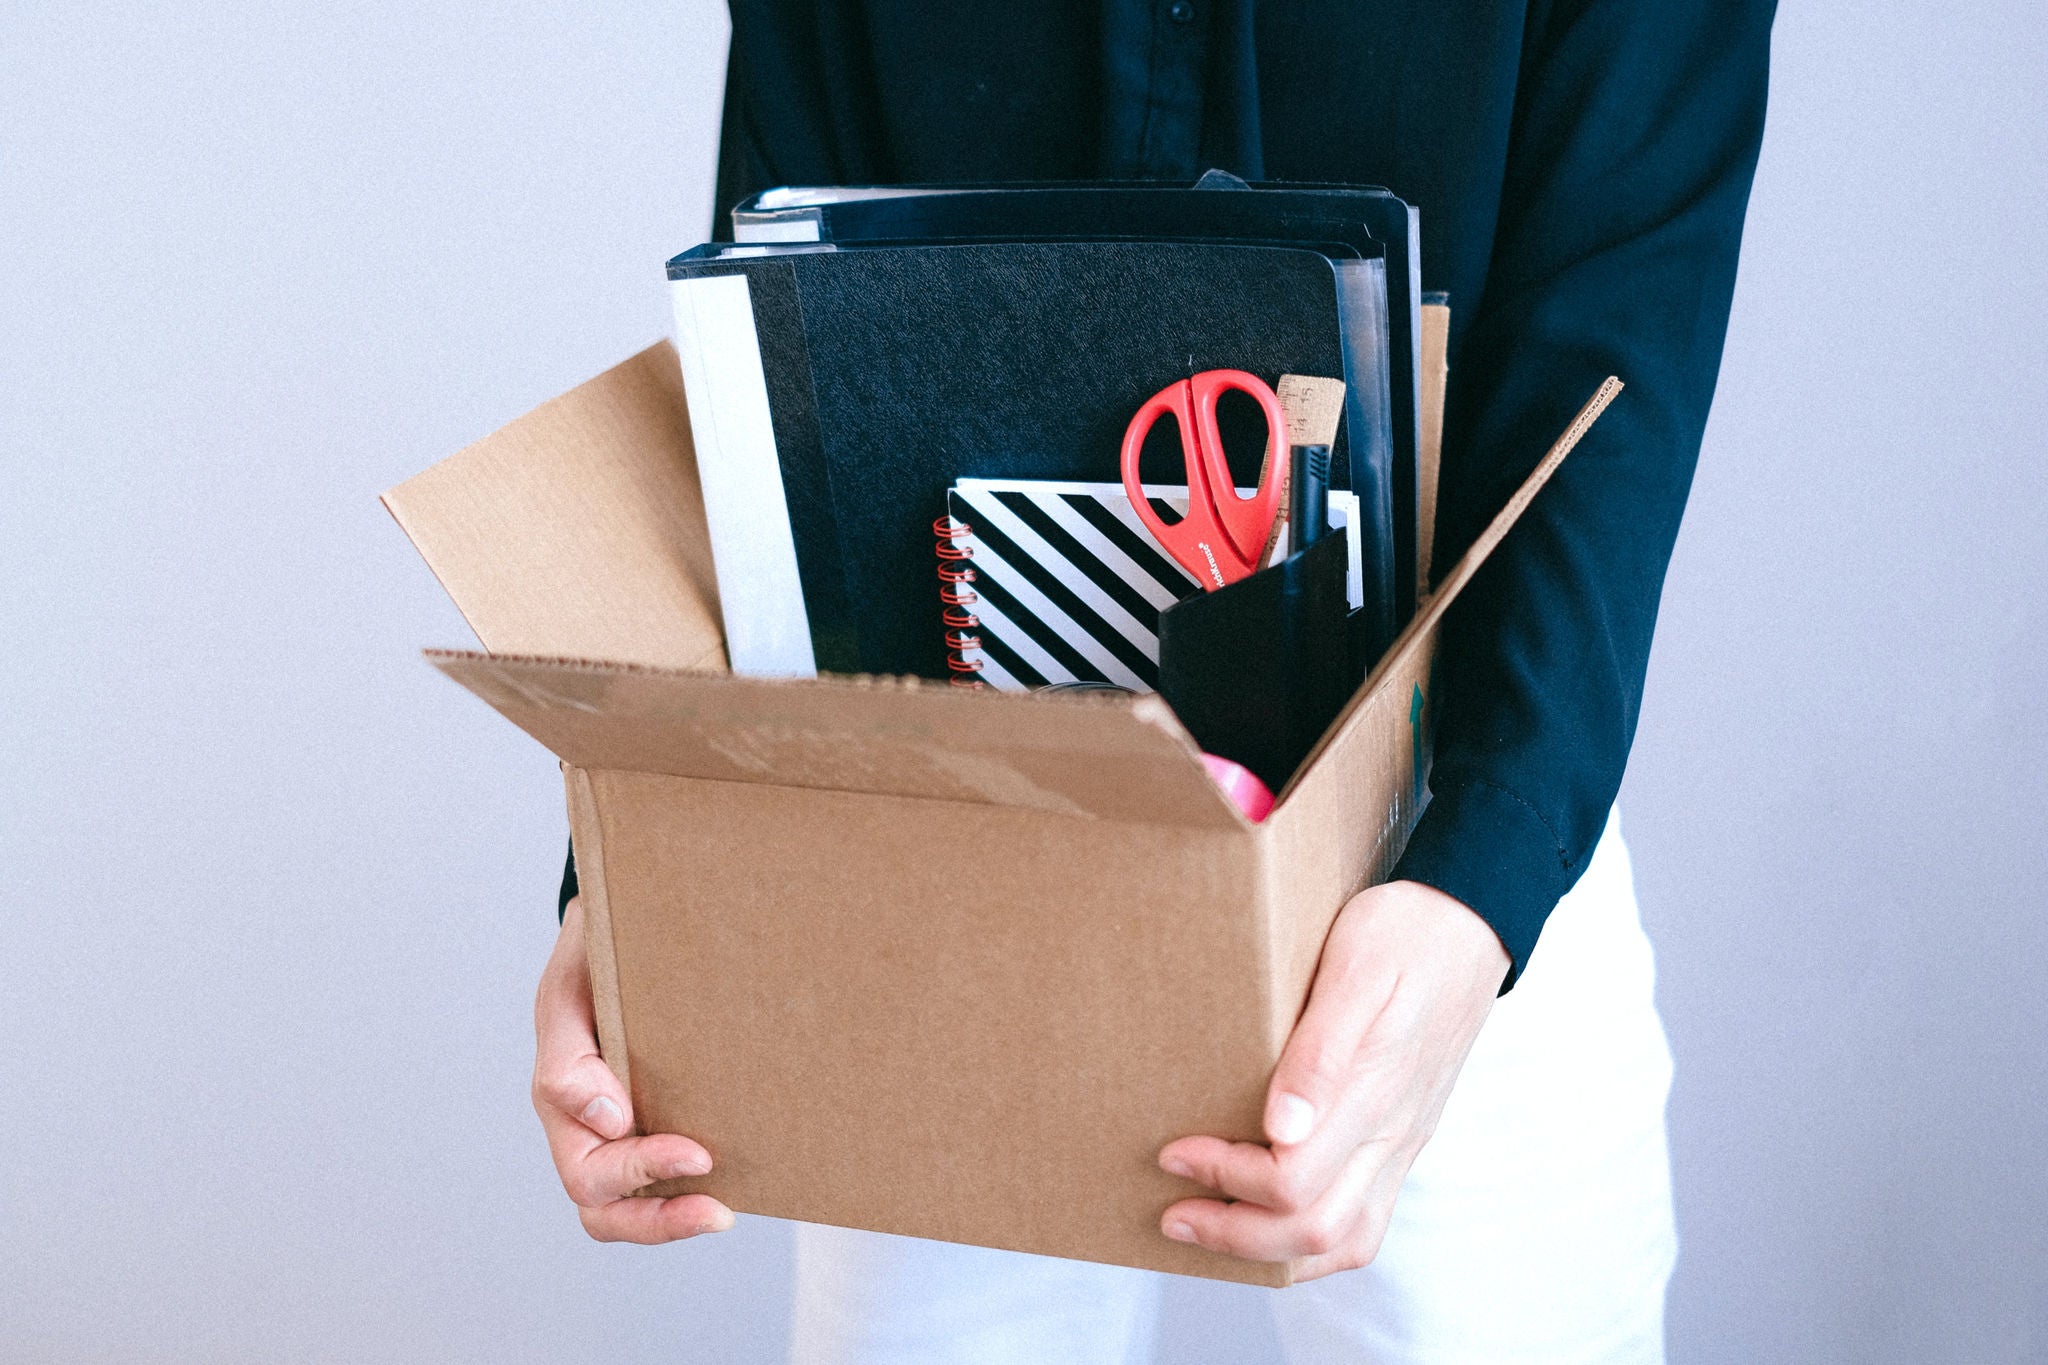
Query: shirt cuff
{"x": 1487, "y": 847}
{"x": 569, "y": 887}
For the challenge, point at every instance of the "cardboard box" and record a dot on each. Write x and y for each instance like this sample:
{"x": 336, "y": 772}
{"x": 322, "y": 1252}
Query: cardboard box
{"x": 902, "y": 956}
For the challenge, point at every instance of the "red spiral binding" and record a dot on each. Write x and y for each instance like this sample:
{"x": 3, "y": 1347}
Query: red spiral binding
{"x": 954, "y": 574}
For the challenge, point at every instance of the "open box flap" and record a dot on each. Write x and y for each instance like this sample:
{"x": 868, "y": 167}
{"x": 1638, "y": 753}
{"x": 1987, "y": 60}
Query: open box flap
{"x": 578, "y": 530}
{"x": 1117, "y": 758}
{"x": 1395, "y": 663}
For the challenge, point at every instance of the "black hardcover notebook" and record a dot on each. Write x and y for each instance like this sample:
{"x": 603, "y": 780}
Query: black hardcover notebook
{"x": 887, "y": 374}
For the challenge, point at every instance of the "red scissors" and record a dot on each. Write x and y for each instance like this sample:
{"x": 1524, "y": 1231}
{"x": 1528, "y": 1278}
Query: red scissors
{"x": 1223, "y": 536}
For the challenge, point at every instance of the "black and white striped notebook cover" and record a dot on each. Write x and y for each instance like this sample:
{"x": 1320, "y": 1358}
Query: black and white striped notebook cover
{"x": 1066, "y": 584}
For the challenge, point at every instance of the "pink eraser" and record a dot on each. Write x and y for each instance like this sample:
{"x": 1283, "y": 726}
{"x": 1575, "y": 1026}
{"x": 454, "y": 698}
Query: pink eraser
{"x": 1244, "y": 789}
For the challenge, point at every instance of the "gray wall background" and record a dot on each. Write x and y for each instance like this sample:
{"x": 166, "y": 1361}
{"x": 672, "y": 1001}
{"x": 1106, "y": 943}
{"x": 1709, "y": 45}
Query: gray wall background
{"x": 275, "y": 893}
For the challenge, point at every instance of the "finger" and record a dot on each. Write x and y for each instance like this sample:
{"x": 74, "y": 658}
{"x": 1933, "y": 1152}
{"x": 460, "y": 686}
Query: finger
{"x": 653, "y": 1221}
{"x": 585, "y": 1090}
{"x": 608, "y": 1171}
{"x": 1257, "y": 1233}
{"x": 569, "y": 1075}
{"x": 1348, "y": 995}
{"x": 1287, "y": 1181}
{"x": 1246, "y": 1231}
{"x": 563, "y": 1016}
{"x": 1240, "y": 1170}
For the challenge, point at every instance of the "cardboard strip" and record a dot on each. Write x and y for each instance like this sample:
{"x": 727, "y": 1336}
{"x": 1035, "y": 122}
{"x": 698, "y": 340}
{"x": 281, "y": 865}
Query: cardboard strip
{"x": 1436, "y": 372}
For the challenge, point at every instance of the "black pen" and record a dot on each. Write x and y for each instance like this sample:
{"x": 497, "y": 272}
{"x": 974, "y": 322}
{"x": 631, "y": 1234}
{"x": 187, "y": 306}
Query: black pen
{"x": 1308, "y": 495}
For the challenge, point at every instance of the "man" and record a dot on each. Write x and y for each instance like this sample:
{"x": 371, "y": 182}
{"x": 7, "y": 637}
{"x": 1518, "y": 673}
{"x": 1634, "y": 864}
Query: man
{"x": 1582, "y": 168}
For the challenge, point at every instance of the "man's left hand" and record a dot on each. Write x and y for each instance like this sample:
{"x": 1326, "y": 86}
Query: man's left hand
{"x": 1406, "y": 979}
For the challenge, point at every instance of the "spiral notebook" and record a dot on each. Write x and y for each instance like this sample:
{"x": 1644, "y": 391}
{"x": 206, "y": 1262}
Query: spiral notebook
{"x": 1044, "y": 581}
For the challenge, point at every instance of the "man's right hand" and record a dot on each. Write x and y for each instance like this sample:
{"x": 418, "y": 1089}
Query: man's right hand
{"x": 588, "y": 1117}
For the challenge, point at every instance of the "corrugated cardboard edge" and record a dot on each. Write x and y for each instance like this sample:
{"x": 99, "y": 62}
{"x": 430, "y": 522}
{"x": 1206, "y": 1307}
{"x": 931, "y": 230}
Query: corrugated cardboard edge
{"x": 588, "y": 832}
{"x": 1436, "y": 373}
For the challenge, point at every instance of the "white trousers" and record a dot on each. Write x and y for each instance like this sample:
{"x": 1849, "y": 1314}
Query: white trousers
{"x": 1536, "y": 1226}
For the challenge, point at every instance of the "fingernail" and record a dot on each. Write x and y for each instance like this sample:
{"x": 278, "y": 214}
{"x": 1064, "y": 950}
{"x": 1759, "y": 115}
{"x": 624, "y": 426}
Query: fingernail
{"x": 1290, "y": 1119}
{"x": 603, "y": 1115}
{"x": 718, "y": 1222}
{"x": 1180, "y": 1232}
{"x": 686, "y": 1165}
{"x": 1173, "y": 1165}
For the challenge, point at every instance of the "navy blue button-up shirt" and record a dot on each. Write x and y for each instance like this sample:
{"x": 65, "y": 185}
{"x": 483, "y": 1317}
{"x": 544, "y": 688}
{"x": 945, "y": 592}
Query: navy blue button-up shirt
{"x": 1582, "y": 167}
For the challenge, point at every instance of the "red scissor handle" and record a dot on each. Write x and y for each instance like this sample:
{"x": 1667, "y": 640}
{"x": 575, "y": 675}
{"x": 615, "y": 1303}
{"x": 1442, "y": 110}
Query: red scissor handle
{"x": 1220, "y": 538}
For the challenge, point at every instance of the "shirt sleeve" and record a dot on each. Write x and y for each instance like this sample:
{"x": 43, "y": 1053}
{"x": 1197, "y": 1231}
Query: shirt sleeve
{"x": 1634, "y": 141}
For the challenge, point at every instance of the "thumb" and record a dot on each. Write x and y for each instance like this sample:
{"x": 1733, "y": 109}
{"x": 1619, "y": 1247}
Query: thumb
{"x": 585, "y": 1089}
{"x": 1323, "y": 1049}
{"x": 569, "y": 1074}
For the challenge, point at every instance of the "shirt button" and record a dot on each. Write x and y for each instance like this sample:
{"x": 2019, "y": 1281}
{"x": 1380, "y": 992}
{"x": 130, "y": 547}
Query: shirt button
{"x": 1180, "y": 11}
